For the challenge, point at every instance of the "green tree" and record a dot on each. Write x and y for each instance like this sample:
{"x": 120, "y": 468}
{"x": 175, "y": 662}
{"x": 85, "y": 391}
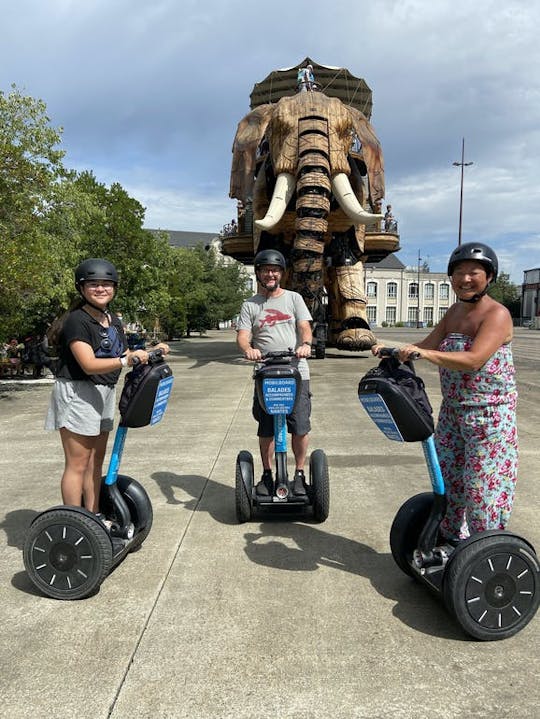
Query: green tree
{"x": 31, "y": 172}
{"x": 507, "y": 293}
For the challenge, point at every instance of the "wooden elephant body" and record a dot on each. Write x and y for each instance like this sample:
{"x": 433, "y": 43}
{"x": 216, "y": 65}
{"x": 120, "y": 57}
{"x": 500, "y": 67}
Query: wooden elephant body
{"x": 310, "y": 170}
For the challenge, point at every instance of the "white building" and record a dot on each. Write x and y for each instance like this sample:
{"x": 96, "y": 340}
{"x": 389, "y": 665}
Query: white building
{"x": 398, "y": 294}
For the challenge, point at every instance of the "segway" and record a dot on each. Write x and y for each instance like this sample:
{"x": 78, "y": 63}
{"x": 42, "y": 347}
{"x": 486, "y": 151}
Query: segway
{"x": 69, "y": 551}
{"x": 277, "y": 383}
{"x": 490, "y": 581}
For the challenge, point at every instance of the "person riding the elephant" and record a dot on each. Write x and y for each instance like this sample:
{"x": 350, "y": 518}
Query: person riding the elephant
{"x": 276, "y": 319}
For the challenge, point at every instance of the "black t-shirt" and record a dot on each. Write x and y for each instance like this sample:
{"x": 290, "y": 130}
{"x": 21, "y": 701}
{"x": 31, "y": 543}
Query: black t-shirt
{"x": 106, "y": 342}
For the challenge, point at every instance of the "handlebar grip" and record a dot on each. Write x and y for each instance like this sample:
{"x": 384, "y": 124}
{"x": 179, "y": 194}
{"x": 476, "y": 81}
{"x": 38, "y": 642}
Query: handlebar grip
{"x": 153, "y": 357}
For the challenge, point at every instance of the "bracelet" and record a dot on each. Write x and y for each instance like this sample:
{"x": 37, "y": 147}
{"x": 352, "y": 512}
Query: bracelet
{"x": 307, "y": 343}
{"x": 123, "y": 361}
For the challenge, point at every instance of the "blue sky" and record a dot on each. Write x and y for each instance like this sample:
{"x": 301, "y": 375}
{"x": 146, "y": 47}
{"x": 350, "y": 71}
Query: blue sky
{"x": 149, "y": 94}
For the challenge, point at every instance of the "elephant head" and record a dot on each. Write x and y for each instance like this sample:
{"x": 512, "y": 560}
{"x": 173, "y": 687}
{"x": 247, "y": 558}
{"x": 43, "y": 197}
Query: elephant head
{"x": 310, "y": 137}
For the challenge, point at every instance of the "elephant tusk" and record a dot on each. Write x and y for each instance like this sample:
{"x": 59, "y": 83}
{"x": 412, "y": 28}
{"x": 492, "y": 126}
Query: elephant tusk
{"x": 343, "y": 192}
{"x": 283, "y": 191}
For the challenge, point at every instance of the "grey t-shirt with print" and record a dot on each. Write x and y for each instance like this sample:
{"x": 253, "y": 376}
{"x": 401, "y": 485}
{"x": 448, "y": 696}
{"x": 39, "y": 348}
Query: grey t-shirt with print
{"x": 272, "y": 322}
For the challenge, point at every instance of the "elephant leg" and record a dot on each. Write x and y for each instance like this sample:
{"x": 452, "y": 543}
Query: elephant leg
{"x": 349, "y": 328}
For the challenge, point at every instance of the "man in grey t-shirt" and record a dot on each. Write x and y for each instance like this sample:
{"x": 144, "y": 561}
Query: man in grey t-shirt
{"x": 272, "y": 320}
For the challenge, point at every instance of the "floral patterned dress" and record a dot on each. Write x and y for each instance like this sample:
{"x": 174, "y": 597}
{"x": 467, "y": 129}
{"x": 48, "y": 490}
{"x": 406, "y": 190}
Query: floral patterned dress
{"x": 477, "y": 443}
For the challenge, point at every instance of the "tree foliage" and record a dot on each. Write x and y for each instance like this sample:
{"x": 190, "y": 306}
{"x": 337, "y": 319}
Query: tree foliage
{"x": 507, "y": 293}
{"x": 51, "y": 218}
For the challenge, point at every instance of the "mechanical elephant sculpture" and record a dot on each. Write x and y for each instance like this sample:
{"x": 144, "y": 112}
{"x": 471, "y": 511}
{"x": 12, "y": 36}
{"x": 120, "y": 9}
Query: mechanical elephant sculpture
{"x": 311, "y": 165}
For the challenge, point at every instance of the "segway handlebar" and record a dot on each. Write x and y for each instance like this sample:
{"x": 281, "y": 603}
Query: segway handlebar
{"x": 278, "y": 357}
{"x": 394, "y": 352}
{"x": 154, "y": 356}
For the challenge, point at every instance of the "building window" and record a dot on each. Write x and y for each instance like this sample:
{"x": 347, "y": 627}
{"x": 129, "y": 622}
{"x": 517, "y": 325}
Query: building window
{"x": 444, "y": 291}
{"x": 412, "y": 315}
{"x": 372, "y": 315}
{"x": 391, "y": 290}
{"x": 429, "y": 291}
{"x": 371, "y": 290}
{"x": 391, "y": 316}
{"x": 442, "y": 312}
{"x": 428, "y": 316}
{"x": 413, "y": 290}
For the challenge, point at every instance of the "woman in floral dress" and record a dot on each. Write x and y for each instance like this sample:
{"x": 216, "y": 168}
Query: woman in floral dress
{"x": 476, "y": 434}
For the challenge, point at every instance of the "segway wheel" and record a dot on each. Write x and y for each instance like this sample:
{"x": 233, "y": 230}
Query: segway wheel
{"x": 244, "y": 486}
{"x": 67, "y": 554}
{"x": 407, "y": 527}
{"x": 139, "y": 505}
{"x": 492, "y": 586}
{"x": 320, "y": 342}
{"x": 320, "y": 484}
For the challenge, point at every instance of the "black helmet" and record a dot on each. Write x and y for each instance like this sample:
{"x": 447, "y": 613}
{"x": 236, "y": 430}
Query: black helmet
{"x": 475, "y": 251}
{"x": 269, "y": 257}
{"x": 95, "y": 269}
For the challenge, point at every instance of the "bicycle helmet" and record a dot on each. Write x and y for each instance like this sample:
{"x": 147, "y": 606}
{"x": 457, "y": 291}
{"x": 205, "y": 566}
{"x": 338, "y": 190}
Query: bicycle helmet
{"x": 475, "y": 251}
{"x": 269, "y": 257}
{"x": 95, "y": 269}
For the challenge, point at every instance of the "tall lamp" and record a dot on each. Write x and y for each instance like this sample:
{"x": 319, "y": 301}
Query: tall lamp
{"x": 461, "y": 164}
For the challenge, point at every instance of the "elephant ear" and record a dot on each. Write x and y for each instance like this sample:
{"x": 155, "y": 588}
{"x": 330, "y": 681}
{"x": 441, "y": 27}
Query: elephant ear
{"x": 372, "y": 152}
{"x": 248, "y": 136}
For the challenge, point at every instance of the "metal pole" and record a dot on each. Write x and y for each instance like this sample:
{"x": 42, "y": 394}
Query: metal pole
{"x": 418, "y": 285}
{"x": 461, "y": 164}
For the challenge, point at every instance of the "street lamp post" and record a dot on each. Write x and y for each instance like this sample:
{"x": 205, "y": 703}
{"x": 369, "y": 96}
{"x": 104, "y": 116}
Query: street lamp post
{"x": 461, "y": 164}
{"x": 418, "y": 286}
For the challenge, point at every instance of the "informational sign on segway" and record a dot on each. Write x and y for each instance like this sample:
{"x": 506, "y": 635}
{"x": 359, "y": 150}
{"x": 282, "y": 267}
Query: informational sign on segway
{"x": 378, "y": 411}
{"x": 162, "y": 398}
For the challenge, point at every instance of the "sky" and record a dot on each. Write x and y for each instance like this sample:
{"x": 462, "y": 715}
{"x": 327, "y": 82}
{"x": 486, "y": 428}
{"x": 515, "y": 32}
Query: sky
{"x": 149, "y": 94}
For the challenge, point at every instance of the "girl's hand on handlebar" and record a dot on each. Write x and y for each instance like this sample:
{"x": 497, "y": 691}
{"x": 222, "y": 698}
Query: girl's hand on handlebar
{"x": 376, "y": 348}
{"x": 163, "y": 346}
{"x": 140, "y": 355}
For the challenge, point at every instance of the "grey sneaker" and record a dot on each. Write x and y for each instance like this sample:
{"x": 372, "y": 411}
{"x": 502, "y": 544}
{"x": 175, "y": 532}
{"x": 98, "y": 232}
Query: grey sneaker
{"x": 299, "y": 485}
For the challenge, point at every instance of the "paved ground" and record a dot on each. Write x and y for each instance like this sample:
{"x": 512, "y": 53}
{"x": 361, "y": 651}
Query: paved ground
{"x": 272, "y": 619}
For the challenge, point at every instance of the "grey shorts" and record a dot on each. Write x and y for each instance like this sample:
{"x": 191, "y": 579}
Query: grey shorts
{"x": 297, "y": 422}
{"x": 81, "y": 406}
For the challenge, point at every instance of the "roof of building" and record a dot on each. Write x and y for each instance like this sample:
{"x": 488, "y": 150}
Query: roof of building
{"x": 390, "y": 262}
{"x": 183, "y": 238}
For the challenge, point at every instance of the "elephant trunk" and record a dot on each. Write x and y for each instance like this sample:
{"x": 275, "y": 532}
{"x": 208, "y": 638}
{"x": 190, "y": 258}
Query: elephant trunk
{"x": 348, "y": 202}
{"x": 283, "y": 191}
{"x": 313, "y": 192}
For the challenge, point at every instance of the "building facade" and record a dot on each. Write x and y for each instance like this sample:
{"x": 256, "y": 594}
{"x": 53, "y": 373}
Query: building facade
{"x": 530, "y": 298}
{"x": 397, "y": 294}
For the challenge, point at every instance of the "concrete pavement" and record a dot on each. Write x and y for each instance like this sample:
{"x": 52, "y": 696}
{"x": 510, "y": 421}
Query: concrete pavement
{"x": 274, "y": 619}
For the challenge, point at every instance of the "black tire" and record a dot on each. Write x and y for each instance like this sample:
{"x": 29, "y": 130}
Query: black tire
{"x": 492, "y": 586}
{"x": 407, "y": 527}
{"x": 320, "y": 485}
{"x": 320, "y": 342}
{"x": 67, "y": 554}
{"x": 244, "y": 486}
{"x": 139, "y": 505}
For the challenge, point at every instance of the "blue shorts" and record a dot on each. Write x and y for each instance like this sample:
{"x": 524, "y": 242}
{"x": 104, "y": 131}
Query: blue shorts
{"x": 297, "y": 422}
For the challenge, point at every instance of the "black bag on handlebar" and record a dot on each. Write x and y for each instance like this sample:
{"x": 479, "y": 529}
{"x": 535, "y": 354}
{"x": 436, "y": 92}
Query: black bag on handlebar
{"x": 139, "y": 393}
{"x": 405, "y": 396}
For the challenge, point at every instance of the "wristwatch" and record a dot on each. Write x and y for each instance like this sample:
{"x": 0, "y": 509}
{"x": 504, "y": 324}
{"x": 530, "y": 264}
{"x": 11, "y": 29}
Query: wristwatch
{"x": 307, "y": 343}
